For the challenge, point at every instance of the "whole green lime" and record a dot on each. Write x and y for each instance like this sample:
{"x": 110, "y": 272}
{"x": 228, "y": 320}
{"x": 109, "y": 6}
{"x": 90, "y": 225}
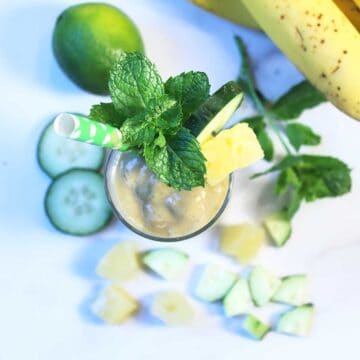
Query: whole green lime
{"x": 87, "y": 40}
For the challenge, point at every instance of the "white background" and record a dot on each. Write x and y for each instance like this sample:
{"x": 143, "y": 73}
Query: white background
{"x": 47, "y": 279}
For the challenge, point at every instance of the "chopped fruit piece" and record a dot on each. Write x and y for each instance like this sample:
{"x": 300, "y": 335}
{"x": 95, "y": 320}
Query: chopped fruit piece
{"x": 255, "y": 327}
{"x": 172, "y": 308}
{"x": 120, "y": 263}
{"x": 230, "y": 150}
{"x": 114, "y": 305}
{"x": 242, "y": 241}
{"x": 166, "y": 262}
{"x": 214, "y": 283}
{"x": 297, "y": 321}
{"x": 279, "y": 227}
{"x": 238, "y": 300}
{"x": 292, "y": 290}
{"x": 263, "y": 285}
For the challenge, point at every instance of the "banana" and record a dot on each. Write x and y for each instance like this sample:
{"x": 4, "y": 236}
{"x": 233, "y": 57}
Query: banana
{"x": 233, "y": 10}
{"x": 322, "y": 42}
{"x": 357, "y": 2}
{"x": 351, "y": 10}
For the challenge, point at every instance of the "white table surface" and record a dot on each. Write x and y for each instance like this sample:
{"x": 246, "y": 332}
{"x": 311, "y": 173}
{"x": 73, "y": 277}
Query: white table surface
{"x": 47, "y": 279}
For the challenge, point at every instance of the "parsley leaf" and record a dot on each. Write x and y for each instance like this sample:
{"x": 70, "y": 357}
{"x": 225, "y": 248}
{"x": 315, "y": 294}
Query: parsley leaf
{"x": 180, "y": 164}
{"x": 258, "y": 124}
{"x": 106, "y": 113}
{"x": 190, "y": 89}
{"x": 299, "y": 98}
{"x": 134, "y": 82}
{"x": 300, "y": 134}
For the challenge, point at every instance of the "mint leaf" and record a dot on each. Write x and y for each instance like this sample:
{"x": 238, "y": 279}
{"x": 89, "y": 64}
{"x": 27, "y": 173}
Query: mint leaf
{"x": 293, "y": 205}
{"x": 300, "y": 134}
{"x": 287, "y": 178}
{"x": 136, "y": 131}
{"x": 180, "y": 164}
{"x": 246, "y": 78}
{"x": 299, "y": 98}
{"x": 165, "y": 113}
{"x": 106, "y": 113}
{"x": 258, "y": 124}
{"x": 313, "y": 176}
{"x": 190, "y": 89}
{"x": 286, "y": 162}
{"x": 134, "y": 81}
{"x": 322, "y": 176}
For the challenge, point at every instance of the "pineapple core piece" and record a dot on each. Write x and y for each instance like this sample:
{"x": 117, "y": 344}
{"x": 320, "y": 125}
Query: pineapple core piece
{"x": 242, "y": 241}
{"x": 114, "y": 305}
{"x": 172, "y": 308}
{"x": 120, "y": 263}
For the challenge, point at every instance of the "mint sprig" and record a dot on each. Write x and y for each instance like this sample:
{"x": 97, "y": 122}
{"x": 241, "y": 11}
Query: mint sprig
{"x": 150, "y": 116}
{"x": 302, "y": 178}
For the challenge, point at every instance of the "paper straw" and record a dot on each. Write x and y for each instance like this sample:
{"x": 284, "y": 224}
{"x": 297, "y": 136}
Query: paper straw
{"x": 80, "y": 128}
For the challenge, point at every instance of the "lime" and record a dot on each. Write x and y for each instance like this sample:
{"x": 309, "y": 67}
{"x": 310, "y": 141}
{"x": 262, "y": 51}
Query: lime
{"x": 87, "y": 40}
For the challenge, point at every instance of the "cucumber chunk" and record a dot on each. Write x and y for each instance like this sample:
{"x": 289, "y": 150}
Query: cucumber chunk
{"x": 263, "y": 285}
{"x": 255, "y": 327}
{"x": 215, "y": 112}
{"x": 214, "y": 283}
{"x": 278, "y": 227}
{"x": 120, "y": 263}
{"x": 238, "y": 300}
{"x": 57, "y": 154}
{"x": 114, "y": 305}
{"x": 297, "y": 321}
{"x": 292, "y": 290}
{"x": 76, "y": 203}
{"x": 172, "y": 308}
{"x": 166, "y": 262}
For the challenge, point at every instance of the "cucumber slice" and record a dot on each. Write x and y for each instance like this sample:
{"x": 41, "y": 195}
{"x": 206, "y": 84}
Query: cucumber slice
{"x": 120, "y": 263}
{"x": 57, "y": 154}
{"x": 172, "y": 308}
{"x": 278, "y": 227}
{"x": 292, "y": 290}
{"x": 263, "y": 285}
{"x": 215, "y": 112}
{"x": 238, "y": 300}
{"x": 214, "y": 283}
{"x": 255, "y": 327}
{"x": 297, "y": 321}
{"x": 166, "y": 262}
{"x": 76, "y": 203}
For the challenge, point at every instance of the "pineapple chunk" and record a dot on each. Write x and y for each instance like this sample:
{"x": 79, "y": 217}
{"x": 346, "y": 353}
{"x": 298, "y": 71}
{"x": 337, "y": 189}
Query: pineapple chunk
{"x": 115, "y": 305}
{"x": 172, "y": 308}
{"x": 242, "y": 241}
{"x": 230, "y": 150}
{"x": 120, "y": 263}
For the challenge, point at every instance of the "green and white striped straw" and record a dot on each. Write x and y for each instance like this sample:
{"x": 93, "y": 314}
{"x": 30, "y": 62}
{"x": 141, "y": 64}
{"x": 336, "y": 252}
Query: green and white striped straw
{"x": 81, "y": 128}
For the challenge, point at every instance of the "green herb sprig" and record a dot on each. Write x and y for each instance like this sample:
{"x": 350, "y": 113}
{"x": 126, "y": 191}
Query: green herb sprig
{"x": 300, "y": 177}
{"x": 151, "y": 116}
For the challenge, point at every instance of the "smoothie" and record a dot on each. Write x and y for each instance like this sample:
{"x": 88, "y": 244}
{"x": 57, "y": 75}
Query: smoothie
{"x": 152, "y": 208}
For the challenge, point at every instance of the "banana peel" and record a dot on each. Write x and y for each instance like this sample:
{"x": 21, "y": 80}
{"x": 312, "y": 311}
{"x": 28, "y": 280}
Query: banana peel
{"x": 321, "y": 37}
{"x": 232, "y": 10}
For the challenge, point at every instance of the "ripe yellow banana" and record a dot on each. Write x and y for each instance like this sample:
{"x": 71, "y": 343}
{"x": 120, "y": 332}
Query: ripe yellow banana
{"x": 357, "y": 2}
{"x": 321, "y": 40}
{"x": 233, "y": 10}
{"x": 351, "y": 10}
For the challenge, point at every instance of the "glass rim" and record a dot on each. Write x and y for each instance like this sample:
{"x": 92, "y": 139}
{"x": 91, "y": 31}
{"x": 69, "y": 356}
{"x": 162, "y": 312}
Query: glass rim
{"x": 214, "y": 219}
